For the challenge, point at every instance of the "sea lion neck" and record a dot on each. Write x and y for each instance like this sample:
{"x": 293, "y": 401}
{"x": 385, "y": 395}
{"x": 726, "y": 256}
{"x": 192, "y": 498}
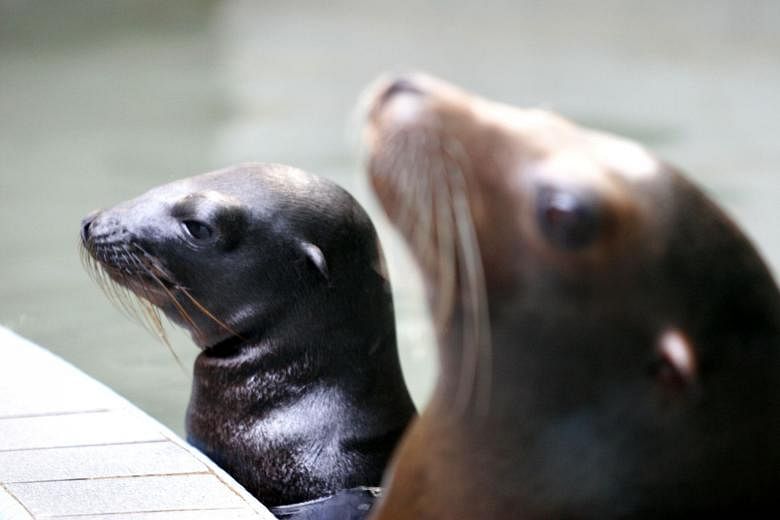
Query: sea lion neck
{"x": 319, "y": 395}
{"x": 280, "y": 357}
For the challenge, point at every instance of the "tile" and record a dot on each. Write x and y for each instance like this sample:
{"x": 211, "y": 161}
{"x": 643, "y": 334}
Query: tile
{"x": 80, "y": 429}
{"x": 38, "y": 396}
{"x": 66, "y": 397}
{"x": 115, "y": 460}
{"x": 72, "y": 448}
{"x": 37, "y": 382}
{"x": 10, "y": 508}
{"x": 126, "y": 495}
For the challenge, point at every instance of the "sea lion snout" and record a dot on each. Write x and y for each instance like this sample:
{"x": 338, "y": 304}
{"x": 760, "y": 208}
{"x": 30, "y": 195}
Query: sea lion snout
{"x": 101, "y": 230}
{"x": 398, "y": 102}
{"x": 86, "y": 223}
{"x": 400, "y": 85}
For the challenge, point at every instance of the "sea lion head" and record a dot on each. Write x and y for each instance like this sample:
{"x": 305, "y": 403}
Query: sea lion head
{"x": 608, "y": 337}
{"x": 227, "y": 253}
{"x": 278, "y": 276}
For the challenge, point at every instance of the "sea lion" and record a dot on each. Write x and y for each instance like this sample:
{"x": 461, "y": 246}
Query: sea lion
{"x": 279, "y": 278}
{"x": 609, "y": 340}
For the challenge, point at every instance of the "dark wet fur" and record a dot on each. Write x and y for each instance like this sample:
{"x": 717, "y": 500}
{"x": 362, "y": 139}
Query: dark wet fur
{"x": 298, "y": 392}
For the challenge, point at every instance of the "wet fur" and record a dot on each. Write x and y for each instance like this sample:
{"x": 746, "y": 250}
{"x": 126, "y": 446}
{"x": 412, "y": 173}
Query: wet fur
{"x": 298, "y": 391}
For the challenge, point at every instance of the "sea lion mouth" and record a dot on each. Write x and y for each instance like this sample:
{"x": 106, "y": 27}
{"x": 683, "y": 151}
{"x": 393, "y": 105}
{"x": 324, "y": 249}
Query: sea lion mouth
{"x": 130, "y": 266}
{"x": 139, "y": 285}
{"x": 132, "y": 279}
{"x": 113, "y": 251}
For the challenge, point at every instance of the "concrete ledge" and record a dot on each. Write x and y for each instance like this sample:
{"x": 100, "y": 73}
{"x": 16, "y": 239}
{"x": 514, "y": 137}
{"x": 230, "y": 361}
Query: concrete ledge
{"x": 72, "y": 448}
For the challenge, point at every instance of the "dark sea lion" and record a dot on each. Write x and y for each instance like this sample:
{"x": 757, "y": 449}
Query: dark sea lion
{"x": 609, "y": 340}
{"x": 279, "y": 277}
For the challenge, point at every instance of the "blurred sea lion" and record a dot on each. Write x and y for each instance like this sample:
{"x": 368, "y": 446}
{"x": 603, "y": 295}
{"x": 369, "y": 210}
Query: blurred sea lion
{"x": 609, "y": 340}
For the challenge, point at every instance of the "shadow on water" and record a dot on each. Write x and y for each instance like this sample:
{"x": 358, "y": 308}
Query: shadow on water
{"x": 100, "y": 101}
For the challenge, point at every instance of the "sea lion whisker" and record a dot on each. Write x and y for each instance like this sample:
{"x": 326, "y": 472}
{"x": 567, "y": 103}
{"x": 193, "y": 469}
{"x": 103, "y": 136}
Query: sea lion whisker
{"x": 211, "y": 316}
{"x": 419, "y": 224}
{"x": 152, "y": 311}
{"x": 477, "y": 351}
{"x": 147, "y": 310}
{"x": 422, "y": 229}
{"x": 149, "y": 265}
{"x": 113, "y": 281}
{"x": 104, "y": 275}
{"x": 152, "y": 266}
{"x": 446, "y": 252}
{"x": 476, "y": 348}
{"x": 405, "y": 210}
{"x": 403, "y": 182}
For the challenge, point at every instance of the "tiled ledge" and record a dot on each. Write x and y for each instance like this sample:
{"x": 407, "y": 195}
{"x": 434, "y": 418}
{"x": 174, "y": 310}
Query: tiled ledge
{"x": 72, "y": 448}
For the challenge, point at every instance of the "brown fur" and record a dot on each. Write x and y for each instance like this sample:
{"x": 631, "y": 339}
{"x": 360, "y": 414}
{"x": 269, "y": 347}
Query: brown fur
{"x": 559, "y": 261}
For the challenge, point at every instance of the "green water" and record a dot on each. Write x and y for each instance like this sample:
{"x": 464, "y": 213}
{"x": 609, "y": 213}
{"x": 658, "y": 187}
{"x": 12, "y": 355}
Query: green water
{"x": 102, "y": 100}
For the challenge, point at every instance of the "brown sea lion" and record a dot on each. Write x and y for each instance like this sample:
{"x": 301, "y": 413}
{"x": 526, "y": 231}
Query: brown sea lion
{"x": 279, "y": 278}
{"x": 609, "y": 340}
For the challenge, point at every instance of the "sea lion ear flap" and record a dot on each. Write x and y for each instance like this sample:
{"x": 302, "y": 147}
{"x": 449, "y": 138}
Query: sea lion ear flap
{"x": 677, "y": 363}
{"x": 315, "y": 255}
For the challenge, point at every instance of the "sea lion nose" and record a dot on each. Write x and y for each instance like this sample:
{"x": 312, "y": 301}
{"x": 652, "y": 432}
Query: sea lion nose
{"x": 86, "y": 223}
{"x": 402, "y": 85}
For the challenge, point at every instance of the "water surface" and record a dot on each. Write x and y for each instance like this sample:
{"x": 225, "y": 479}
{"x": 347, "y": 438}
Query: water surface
{"x": 100, "y": 101}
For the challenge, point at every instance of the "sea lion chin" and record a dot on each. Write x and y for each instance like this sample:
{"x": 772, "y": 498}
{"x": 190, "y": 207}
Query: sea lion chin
{"x": 277, "y": 275}
{"x": 609, "y": 340}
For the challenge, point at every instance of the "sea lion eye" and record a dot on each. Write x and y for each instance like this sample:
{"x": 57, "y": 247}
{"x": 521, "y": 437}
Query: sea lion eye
{"x": 566, "y": 219}
{"x": 197, "y": 230}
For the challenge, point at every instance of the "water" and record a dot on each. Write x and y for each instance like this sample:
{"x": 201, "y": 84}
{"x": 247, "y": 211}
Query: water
{"x": 100, "y": 101}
